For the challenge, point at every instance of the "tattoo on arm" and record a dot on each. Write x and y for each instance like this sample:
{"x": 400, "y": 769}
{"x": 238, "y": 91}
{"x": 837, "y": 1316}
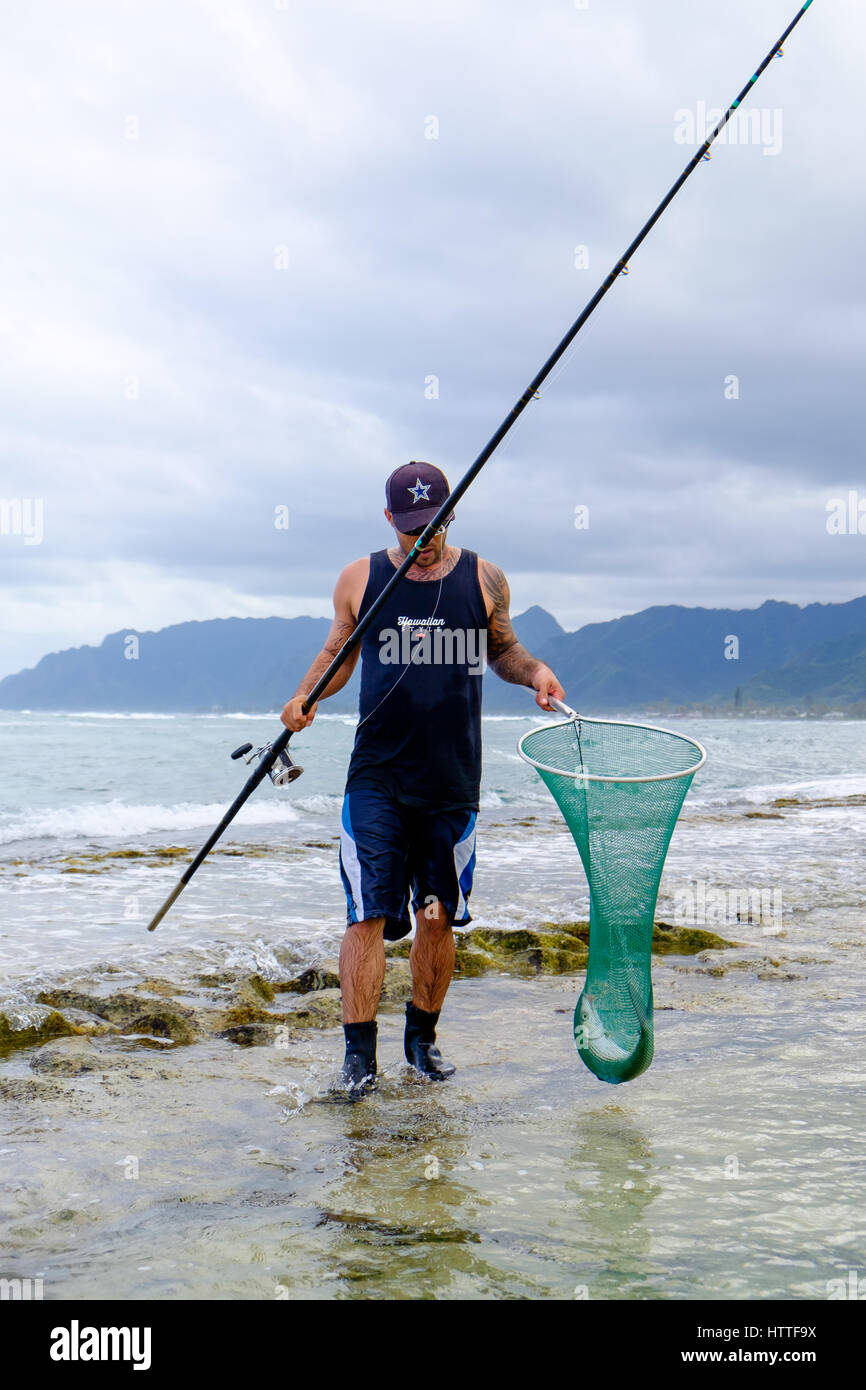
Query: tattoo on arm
{"x": 505, "y": 655}
{"x": 341, "y": 630}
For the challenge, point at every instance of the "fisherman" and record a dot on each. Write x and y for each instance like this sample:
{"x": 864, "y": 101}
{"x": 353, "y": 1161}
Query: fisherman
{"x": 411, "y": 800}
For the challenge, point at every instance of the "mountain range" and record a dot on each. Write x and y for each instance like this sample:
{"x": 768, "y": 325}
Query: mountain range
{"x": 776, "y": 657}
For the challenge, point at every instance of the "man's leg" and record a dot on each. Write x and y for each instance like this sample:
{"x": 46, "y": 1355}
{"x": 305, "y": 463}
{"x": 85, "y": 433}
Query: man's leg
{"x": 431, "y": 957}
{"x": 432, "y": 962}
{"x": 362, "y": 969}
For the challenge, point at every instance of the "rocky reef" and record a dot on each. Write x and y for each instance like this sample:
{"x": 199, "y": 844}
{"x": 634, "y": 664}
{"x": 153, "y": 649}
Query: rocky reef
{"x": 249, "y": 1010}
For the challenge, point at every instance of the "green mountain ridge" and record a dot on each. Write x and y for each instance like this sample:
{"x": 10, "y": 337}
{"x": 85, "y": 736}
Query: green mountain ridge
{"x": 777, "y": 656}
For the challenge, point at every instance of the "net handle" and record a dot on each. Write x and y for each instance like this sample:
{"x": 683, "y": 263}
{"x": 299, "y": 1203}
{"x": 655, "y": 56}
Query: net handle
{"x": 561, "y": 707}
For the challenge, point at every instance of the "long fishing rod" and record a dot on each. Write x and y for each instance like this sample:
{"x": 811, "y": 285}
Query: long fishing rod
{"x": 274, "y": 759}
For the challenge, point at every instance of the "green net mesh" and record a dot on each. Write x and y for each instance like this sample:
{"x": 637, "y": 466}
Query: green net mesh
{"x": 620, "y": 787}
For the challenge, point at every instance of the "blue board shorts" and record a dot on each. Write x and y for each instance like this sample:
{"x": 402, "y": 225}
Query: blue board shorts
{"x": 391, "y": 854}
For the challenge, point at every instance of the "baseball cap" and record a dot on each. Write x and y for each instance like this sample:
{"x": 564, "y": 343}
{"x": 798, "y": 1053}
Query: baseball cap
{"x": 414, "y": 493}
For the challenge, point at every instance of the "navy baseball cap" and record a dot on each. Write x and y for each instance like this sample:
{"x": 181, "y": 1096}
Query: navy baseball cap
{"x": 414, "y": 493}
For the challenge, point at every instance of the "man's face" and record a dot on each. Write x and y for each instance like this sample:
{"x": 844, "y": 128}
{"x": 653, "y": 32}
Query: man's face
{"x": 432, "y": 552}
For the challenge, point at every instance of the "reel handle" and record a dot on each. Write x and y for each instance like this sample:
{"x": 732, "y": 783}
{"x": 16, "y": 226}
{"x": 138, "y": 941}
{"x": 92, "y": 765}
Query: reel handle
{"x": 242, "y": 751}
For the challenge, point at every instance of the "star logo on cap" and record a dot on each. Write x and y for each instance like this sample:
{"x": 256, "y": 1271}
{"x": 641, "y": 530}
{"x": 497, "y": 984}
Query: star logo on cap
{"x": 420, "y": 492}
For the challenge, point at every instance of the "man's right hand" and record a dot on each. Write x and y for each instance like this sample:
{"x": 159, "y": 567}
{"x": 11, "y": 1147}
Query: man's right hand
{"x": 293, "y": 714}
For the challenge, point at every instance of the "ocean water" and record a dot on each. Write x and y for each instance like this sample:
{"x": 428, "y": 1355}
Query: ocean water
{"x": 733, "y": 1168}
{"x": 87, "y": 800}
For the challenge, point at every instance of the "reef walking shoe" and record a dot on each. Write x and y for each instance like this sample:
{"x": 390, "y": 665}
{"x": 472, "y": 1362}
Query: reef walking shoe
{"x": 419, "y": 1044}
{"x": 358, "y": 1074}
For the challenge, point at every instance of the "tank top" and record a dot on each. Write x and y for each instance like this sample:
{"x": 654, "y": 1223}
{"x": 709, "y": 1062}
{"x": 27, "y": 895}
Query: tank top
{"x": 419, "y": 728}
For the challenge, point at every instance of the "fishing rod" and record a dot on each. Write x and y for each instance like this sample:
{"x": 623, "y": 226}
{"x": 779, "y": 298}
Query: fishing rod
{"x": 274, "y": 759}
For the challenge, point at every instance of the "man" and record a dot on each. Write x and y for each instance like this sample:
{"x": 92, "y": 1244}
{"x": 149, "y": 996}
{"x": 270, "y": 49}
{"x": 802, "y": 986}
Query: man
{"x": 408, "y": 822}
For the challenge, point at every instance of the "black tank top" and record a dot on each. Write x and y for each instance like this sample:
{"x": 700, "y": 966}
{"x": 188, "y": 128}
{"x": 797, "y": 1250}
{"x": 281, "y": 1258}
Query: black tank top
{"x": 419, "y": 731}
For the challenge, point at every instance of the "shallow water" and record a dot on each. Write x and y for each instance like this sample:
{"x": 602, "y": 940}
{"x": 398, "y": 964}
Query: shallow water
{"x": 523, "y": 1177}
{"x": 733, "y": 1168}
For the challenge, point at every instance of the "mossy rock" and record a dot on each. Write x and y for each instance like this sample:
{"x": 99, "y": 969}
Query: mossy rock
{"x": 470, "y": 964}
{"x": 499, "y": 943}
{"x": 239, "y": 1015}
{"x": 686, "y": 941}
{"x": 320, "y": 1010}
{"x": 400, "y": 950}
{"x": 254, "y": 986}
{"x": 668, "y": 940}
{"x": 164, "y": 1023}
{"x": 125, "y": 1009}
{"x": 248, "y": 1034}
{"x": 397, "y": 985}
{"x": 47, "y": 1023}
{"x": 325, "y": 975}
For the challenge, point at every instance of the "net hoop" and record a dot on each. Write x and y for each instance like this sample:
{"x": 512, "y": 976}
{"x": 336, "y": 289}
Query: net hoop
{"x": 580, "y": 776}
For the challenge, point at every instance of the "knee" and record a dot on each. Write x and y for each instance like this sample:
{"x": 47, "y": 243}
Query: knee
{"x": 433, "y": 919}
{"x": 369, "y": 930}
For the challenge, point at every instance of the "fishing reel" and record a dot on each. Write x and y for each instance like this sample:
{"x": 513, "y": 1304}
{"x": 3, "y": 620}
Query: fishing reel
{"x": 282, "y": 770}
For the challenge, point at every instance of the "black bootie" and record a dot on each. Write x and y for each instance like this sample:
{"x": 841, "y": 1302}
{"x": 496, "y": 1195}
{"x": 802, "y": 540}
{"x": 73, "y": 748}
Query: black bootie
{"x": 358, "y": 1075}
{"x": 419, "y": 1044}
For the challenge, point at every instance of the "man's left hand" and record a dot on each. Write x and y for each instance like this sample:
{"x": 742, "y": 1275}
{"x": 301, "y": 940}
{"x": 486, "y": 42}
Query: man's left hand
{"x": 545, "y": 684}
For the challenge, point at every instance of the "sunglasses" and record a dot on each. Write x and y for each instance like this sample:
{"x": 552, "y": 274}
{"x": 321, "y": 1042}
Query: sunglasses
{"x": 440, "y": 530}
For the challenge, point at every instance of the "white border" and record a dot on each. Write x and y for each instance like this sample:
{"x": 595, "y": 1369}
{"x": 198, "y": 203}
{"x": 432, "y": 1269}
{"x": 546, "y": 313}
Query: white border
{"x": 597, "y": 777}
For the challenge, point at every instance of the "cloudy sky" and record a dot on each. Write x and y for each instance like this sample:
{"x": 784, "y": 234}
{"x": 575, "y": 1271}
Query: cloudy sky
{"x": 243, "y": 242}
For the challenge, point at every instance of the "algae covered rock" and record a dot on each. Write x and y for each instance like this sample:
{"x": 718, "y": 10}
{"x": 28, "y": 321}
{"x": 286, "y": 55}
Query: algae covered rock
{"x": 248, "y": 1034}
{"x": 320, "y": 1010}
{"x": 397, "y": 985}
{"x": 35, "y": 1025}
{"x": 131, "y": 1012}
{"x": 519, "y": 952}
{"x": 686, "y": 941}
{"x": 324, "y": 975}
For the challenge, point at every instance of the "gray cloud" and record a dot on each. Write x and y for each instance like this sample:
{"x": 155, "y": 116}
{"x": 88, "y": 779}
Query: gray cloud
{"x": 165, "y": 385}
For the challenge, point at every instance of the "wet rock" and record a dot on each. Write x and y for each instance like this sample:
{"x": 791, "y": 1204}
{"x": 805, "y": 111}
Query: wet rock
{"x": 521, "y": 952}
{"x": 80, "y": 1057}
{"x": 90, "y": 1024}
{"x": 67, "y": 1057}
{"x": 400, "y": 950}
{"x": 169, "y": 1022}
{"x": 132, "y": 1012}
{"x": 155, "y": 987}
{"x": 324, "y": 975}
{"x": 25, "y": 1088}
{"x": 397, "y": 985}
{"x": 254, "y": 990}
{"x": 320, "y": 1010}
{"x": 29, "y": 1028}
{"x": 687, "y": 941}
{"x": 248, "y": 1034}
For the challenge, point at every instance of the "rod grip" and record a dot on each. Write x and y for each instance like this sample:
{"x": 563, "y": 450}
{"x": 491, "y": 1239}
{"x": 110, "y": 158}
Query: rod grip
{"x": 172, "y": 898}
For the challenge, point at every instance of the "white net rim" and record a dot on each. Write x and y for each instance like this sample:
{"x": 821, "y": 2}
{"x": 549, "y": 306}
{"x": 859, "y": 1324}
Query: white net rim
{"x": 598, "y": 777}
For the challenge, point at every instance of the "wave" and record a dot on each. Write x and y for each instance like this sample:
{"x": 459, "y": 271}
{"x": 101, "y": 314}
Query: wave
{"x": 117, "y": 821}
{"x": 806, "y": 792}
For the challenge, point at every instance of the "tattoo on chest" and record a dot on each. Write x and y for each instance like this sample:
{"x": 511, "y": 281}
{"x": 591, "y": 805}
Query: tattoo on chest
{"x": 426, "y": 575}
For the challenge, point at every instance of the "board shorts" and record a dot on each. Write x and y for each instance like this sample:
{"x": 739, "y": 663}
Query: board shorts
{"x": 391, "y": 854}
